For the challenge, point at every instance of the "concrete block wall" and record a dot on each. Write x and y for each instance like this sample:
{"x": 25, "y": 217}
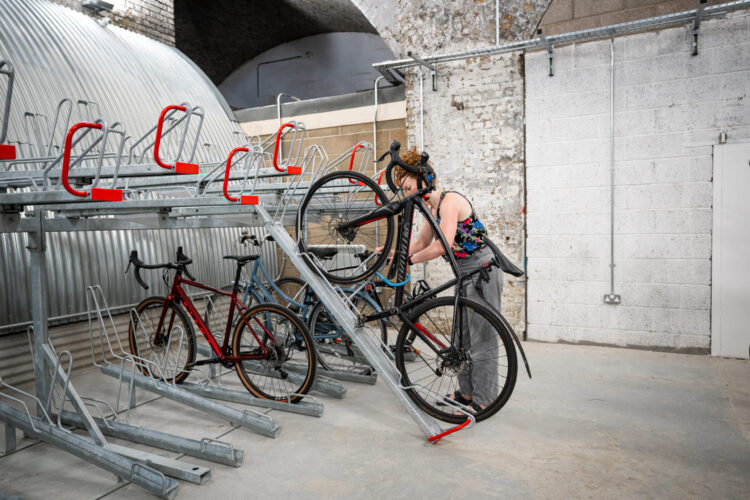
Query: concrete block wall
{"x": 153, "y": 18}
{"x": 670, "y": 108}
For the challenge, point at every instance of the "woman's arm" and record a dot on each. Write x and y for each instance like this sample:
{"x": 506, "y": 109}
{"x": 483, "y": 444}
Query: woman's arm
{"x": 423, "y": 239}
{"x": 449, "y": 210}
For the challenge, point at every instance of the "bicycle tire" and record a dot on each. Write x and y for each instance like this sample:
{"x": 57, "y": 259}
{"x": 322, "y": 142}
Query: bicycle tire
{"x": 292, "y": 287}
{"x": 320, "y": 212}
{"x": 336, "y": 350}
{"x": 435, "y": 316}
{"x": 141, "y": 339}
{"x": 276, "y": 377}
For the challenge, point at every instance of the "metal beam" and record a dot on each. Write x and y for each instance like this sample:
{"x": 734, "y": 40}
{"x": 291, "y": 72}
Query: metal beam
{"x": 250, "y": 420}
{"x": 207, "y": 449}
{"x": 141, "y": 475}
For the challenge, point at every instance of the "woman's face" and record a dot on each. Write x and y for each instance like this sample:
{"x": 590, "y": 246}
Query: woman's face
{"x": 409, "y": 184}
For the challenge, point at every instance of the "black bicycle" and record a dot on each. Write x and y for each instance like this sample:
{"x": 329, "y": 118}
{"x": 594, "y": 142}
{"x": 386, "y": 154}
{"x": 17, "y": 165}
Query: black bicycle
{"x": 346, "y": 214}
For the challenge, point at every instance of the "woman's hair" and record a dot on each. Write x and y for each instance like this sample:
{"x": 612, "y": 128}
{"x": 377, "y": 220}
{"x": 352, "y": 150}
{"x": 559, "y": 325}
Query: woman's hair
{"x": 411, "y": 157}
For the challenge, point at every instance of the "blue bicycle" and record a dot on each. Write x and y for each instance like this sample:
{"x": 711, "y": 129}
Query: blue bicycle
{"x": 336, "y": 350}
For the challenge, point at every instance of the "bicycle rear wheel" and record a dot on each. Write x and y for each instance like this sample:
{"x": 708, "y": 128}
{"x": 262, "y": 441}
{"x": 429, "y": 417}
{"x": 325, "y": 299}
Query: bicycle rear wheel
{"x": 283, "y": 357}
{"x": 483, "y": 365}
{"x": 333, "y": 200}
{"x": 168, "y": 355}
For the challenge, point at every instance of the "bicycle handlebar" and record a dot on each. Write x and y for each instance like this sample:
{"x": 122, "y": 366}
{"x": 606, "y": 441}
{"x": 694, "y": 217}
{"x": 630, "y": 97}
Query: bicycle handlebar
{"x": 182, "y": 261}
{"x": 422, "y": 169}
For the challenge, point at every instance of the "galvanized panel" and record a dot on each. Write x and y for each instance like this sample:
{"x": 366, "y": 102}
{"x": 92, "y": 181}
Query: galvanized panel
{"x": 59, "y": 53}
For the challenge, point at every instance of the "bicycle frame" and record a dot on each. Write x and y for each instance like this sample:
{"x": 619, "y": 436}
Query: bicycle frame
{"x": 178, "y": 295}
{"x": 257, "y": 288}
{"x": 404, "y": 208}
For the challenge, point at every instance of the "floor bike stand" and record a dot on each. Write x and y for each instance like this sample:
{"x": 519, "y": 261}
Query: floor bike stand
{"x": 212, "y": 391}
{"x": 107, "y": 352}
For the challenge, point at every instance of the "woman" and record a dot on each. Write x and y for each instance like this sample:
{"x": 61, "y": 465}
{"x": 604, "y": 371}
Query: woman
{"x": 478, "y": 381}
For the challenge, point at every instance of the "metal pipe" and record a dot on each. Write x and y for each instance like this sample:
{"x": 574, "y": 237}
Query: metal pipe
{"x": 612, "y": 297}
{"x": 571, "y": 37}
{"x": 421, "y": 109}
{"x": 375, "y": 125}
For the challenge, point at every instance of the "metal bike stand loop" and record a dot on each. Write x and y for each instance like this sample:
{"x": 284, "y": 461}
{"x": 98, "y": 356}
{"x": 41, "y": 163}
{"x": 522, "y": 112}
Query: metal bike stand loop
{"x": 348, "y": 321}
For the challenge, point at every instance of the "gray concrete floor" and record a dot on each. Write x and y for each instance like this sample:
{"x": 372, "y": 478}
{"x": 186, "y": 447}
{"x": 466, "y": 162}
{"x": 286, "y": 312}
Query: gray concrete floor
{"x": 594, "y": 422}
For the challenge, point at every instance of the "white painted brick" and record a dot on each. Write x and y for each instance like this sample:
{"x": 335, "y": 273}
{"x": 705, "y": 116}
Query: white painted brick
{"x": 670, "y": 107}
{"x": 547, "y": 268}
{"x": 588, "y": 54}
{"x": 735, "y": 85}
{"x": 664, "y": 170}
{"x": 568, "y": 223}
{"x": 674, "y": 271}
{"x": 654, "y": 44}
{"x": 661, "y": 246}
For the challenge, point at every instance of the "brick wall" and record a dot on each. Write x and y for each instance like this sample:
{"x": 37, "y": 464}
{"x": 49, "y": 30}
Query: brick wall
{"x": 473, "y": 130}
{"x": 473, "y": 124}
{"x": 153, "y": 18}
{"x": 564, "y": 16}
{"x": 670, "y": 109}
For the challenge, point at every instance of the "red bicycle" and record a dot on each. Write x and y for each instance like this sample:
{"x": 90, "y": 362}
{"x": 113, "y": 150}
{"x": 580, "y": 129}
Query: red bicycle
{"x": 271, "y": 348}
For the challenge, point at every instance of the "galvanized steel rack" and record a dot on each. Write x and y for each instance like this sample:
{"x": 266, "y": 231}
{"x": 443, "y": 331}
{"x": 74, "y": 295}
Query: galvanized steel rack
{"x": 99, "y": 196}
{"x": 94, "y": 182}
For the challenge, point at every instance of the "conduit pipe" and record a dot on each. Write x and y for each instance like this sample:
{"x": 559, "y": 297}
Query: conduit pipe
{"x": 603, "y": 32}
{"x": 612, "y": 298}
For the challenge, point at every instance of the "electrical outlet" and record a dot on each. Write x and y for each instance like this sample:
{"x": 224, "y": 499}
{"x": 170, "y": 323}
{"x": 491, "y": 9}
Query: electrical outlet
{"x": 612, "y": 298}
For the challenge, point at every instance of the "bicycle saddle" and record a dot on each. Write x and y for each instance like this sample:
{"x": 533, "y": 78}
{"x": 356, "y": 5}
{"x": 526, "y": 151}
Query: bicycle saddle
{"x": 241, "y": 259}
{"x": 324, "y": 252}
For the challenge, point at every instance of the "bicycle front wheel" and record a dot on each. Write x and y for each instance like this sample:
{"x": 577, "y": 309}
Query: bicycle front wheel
{"x": 169, "y": 353}
{"x": 481, "y": 364}
{"x": 303, "y": 299}
{"x": 332, "y": 201}
{"x": 281, "y": 359}
{"x": 336, "y": 350}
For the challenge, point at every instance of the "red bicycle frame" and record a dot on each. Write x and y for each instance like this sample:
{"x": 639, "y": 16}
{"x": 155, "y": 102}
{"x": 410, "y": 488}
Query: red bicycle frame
{"x": 179, "y": 295}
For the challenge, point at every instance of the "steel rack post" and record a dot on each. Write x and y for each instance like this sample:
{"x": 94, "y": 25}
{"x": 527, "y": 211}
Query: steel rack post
{"x": 7, "y": 151}
{"x": 347, "y": 319}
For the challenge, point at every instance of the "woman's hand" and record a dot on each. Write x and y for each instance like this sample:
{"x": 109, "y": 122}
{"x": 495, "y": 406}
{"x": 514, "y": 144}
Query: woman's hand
{"x": 390, "y": 254}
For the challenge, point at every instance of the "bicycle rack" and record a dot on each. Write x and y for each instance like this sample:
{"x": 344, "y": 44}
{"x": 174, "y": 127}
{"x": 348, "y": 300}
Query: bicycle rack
{"x": 109, "y": 350}
{"x": 122, "y": 461}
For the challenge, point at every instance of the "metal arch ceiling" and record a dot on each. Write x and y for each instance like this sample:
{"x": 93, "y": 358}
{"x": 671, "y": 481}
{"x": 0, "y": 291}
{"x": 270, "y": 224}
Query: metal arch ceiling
{"x": 223, "y": 34}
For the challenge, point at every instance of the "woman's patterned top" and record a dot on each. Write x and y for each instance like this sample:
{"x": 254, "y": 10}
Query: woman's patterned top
{"x": 470, "y": 233}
